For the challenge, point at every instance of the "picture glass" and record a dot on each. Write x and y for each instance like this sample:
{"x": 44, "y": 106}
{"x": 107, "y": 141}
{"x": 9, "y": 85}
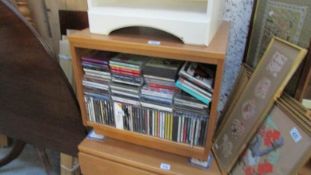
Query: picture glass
{"x": 277, "y": 148}
{"x": 287, "y": 19}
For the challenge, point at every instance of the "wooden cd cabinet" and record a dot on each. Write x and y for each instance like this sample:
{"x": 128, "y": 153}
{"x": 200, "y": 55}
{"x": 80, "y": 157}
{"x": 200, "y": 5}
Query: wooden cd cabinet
{"x": 133, "y": 42}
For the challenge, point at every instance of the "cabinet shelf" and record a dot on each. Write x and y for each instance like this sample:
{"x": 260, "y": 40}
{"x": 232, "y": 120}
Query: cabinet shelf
{"x": 133, "y": 42}
{"x": 149, "y": 141}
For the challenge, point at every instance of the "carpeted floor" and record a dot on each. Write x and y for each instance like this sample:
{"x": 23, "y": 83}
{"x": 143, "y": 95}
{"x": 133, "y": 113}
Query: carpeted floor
{"x": 28, "y": 163}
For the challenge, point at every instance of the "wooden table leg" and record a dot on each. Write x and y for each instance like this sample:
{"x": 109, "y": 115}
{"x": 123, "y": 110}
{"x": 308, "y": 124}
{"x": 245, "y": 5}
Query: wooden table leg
{"x": 14, "y": 153}
{"x": 44, "y": 160}
{"x": 69, "y": 165}
{"x": 3, "y": 141}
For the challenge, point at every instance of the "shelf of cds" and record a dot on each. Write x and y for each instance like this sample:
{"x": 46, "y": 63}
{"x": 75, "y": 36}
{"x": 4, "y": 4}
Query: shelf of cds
{"x": 150, "y": 89}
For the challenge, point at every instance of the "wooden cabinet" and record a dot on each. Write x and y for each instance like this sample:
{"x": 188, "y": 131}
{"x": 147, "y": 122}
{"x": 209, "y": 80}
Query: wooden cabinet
{"x": 116, "y": 157}
{"x": 96, "y": 165}
{"x": 134, "y": 42}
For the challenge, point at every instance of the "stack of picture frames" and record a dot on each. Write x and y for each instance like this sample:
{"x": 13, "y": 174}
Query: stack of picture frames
{"x": 253, "y": 101}
{"x": 250, "y": 162}
{"x": 281, "y": 145}
{"x": 287, "y": 19}
{"x": 303, "y": 92}
{"x": 247, "y": 164}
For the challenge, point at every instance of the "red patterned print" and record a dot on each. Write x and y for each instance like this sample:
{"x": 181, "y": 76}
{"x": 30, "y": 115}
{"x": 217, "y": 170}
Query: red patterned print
{"x": 271, "y": 136}
{"x": 249, "y": 170}
{"x": 265, "y": 168}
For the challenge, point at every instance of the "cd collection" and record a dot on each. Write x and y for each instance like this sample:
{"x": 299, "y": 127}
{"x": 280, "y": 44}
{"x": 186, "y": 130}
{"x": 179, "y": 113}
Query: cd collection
{"x": 141, "y": 94}
{"x": 197, "y": 80}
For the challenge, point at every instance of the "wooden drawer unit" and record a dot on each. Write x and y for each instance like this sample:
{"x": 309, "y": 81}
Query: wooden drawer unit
{"x": 96, "y": 165}
{"x": 118, "y": 158}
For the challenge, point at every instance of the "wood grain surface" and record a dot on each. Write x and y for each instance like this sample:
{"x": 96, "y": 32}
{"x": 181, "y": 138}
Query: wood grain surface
{"x": 37, "y": 103}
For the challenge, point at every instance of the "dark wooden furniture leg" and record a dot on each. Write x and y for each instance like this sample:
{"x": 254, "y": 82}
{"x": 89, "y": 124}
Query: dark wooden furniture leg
{"x": 14, "y": 153}
{"x": 44, "y": 160}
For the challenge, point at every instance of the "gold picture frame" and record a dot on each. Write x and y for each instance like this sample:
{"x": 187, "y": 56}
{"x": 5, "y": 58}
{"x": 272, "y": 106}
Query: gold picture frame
{"x": 287, "y": 19}
{"x": 275, "y": 69}
{"x": 296, "y": 108}
{"x": 279, "y": 137}
{"x": 240, "y": 83}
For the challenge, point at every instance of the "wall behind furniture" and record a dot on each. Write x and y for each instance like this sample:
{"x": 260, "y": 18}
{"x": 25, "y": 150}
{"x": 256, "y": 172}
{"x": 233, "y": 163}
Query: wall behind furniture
{"x": 238, "y": 13}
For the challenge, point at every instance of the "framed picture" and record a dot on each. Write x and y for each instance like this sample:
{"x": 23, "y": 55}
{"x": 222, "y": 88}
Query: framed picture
{"x": 287, "y": 19}
{"x": 299, "y": 107}
{"x": 297, "y": 110}
{"x": 239, "y": 85}
{"x": 278, "y": 64}
{"x": 304, "y": 85}
{"x": 281, "y": 146}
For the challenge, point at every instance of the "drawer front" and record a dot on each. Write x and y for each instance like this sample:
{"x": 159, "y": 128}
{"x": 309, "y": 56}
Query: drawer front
{"x": 91, "y": 165}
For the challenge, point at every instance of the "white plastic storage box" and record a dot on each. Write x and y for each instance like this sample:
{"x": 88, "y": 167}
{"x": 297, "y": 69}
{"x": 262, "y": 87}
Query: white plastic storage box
{"x": 193, "y": 21}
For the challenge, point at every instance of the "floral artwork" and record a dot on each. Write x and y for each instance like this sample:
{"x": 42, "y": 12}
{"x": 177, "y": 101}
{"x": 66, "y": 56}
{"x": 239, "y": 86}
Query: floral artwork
{"x": 280, "y": 18}
{"x": 237, "y": 128}
{"x": 266, "y": 153}
{"x": 226, "y": 146}
{"x": 249, "y": 109}
{"x": 269, "y": 79}
{"x": 286, "y": 19}
{"x": 283, "y": 20}
{"x": 276, "y": 64}
{"x": 263, "y": 88}
{"x": 262, "y": 152}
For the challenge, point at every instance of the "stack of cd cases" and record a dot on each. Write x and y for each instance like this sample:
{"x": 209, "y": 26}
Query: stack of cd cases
{"x": 96, "y": 82}
{"x": 139, "y": 95}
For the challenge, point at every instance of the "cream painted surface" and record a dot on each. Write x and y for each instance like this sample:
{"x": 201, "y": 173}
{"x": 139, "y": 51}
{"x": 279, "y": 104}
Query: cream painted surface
{"x": 193, "y": 22}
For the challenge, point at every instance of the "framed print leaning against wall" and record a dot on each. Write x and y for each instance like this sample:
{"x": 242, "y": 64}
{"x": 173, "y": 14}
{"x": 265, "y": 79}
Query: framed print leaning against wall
{"x": 281, "y": 146}
{"x": 278, "y": 64}
{"x": 286, "y": 19}
{"x": 239, "y": 85}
